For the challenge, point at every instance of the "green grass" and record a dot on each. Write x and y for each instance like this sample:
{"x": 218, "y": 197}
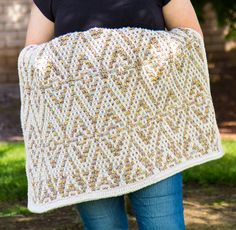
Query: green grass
{"x": 13, "y": 181}
{"x": 221, "y": 171}
{"x": 15, "y": 210}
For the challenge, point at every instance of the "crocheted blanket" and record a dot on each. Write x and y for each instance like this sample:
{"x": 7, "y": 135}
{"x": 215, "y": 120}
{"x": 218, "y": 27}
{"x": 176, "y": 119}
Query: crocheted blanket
{"x": 108, "y": 111}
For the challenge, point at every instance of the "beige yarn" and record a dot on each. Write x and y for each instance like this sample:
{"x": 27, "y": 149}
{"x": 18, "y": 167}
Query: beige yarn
{"x": 108, "y": 111}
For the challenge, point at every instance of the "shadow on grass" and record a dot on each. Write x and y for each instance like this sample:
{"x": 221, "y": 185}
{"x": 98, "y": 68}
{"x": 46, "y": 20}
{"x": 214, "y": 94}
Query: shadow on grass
{"x": 203, "y": 210}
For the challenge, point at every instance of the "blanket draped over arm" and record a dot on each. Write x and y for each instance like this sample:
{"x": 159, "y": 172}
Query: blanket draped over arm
{"x": 109, "y": 111}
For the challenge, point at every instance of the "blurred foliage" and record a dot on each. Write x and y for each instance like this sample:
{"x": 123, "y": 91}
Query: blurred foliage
{"x": 225, "y": 12}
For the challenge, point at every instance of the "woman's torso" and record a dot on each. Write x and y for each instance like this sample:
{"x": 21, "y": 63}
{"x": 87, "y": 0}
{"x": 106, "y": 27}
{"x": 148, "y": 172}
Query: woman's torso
{"x": 80, "y": 15}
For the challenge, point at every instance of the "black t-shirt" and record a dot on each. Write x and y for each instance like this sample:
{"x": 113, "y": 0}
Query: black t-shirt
{"x": 80, "y": 15}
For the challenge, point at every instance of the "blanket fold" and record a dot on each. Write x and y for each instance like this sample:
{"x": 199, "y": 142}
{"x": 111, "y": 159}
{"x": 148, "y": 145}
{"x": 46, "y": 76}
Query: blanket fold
{"x": 108, "y": 111}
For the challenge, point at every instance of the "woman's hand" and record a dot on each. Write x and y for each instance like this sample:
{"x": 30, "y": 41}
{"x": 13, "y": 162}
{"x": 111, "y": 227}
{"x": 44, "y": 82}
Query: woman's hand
{"x": 180, "y": 13}
{"x": 40, "y": 29}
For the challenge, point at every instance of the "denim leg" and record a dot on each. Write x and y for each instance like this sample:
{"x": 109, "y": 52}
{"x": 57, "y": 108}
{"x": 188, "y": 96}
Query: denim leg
{"x": 108, "y": 213}
{"x": 160, "y": 205}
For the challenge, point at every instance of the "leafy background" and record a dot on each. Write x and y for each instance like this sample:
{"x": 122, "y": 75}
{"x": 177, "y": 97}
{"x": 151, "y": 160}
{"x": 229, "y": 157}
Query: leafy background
{"x": 225, "y": 13}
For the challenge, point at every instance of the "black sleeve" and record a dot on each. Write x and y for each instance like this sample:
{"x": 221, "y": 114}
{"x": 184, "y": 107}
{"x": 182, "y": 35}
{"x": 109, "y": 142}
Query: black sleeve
{"x": 45, "y": 6}
{"x": 164, "y": 2}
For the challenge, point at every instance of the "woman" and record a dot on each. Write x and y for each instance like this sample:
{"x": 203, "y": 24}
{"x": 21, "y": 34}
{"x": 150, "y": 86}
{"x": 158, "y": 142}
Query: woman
{"x": 160, "y": 205}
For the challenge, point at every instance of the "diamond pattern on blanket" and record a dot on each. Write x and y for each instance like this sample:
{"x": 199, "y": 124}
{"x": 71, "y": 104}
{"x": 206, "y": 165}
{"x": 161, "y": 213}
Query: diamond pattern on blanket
{"x": 108, "y": 108}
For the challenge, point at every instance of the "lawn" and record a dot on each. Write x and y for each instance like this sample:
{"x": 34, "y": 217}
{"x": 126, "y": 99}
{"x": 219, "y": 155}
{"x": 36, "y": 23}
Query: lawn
{"x": 217, "y": 172}
{"x": 13, "y": 181}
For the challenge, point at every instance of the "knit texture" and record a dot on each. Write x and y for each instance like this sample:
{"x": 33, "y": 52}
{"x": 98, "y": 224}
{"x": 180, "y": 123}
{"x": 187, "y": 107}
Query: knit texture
{"x": 108, "y": 111}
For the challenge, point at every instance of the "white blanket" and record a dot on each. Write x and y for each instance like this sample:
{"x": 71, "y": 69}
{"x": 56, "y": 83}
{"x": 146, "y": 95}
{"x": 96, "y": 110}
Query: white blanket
{"x": 105, "y": 112}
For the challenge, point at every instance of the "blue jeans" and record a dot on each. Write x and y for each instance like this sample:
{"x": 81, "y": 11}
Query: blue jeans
{"x": 156, "y": 207}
